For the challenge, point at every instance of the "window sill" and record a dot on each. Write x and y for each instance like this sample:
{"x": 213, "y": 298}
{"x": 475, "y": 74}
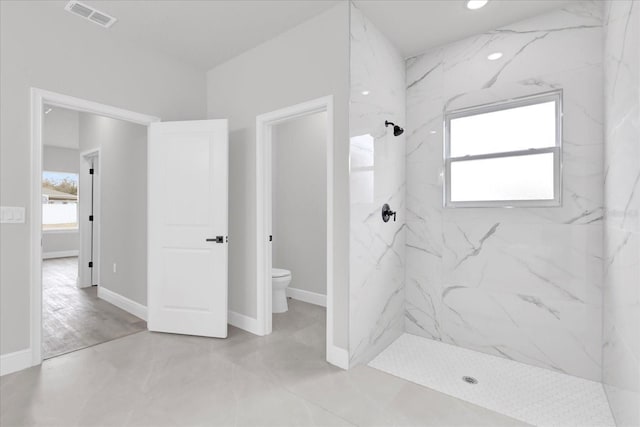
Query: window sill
{"x": 62, "y": 231}
{"x": 506, "y": 204}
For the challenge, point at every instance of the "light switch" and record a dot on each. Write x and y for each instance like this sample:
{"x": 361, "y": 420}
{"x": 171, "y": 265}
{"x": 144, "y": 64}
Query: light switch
{"x": 12, "y": 215}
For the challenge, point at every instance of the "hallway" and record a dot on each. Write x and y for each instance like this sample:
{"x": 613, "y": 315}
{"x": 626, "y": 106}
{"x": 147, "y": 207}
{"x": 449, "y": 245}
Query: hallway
{"x": 75, "y": 318}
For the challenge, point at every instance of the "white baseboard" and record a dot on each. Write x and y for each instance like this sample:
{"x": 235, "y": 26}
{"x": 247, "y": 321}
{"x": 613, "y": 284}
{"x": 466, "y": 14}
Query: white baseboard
{"x": 16, "y": 361}
{"x": 307, "y": 296}
{"x": 124, "y": 303}
{"x": 246, "y": 323}
{"x": 60, "y": 254}
{"x": 338, "y": 356}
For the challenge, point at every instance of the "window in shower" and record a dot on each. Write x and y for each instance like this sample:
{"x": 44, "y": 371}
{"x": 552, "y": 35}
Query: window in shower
{"x": 506, "y": 154}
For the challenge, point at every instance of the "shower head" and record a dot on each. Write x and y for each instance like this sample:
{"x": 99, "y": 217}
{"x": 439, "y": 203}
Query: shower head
{"x": 397, "y": 130}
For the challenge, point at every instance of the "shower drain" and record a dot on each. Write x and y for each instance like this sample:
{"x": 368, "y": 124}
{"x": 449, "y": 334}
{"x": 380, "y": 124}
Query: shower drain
{"x": 470, "y": 380}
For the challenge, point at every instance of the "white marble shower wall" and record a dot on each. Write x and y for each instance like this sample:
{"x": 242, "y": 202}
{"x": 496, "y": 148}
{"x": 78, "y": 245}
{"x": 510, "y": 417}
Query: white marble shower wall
{"x": 377, "y": 171}
{"x": 523, "y": 283}
{"x": 621, "y": 346}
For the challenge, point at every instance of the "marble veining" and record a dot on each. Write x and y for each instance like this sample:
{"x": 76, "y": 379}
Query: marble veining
{"x": 377, "y": 176}
{"x": 621, "y": 314}
{"x": 524, "y": 284}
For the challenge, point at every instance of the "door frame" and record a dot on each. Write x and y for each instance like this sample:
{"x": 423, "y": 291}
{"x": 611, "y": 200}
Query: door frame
{"x": 89, "y": 241}
{"x": 264, "y": 132}
{"x": 40, "y": 97}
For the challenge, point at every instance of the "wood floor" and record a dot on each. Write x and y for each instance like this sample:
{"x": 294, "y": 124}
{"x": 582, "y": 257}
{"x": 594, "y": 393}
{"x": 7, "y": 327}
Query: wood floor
{"x": 74, "y": 318}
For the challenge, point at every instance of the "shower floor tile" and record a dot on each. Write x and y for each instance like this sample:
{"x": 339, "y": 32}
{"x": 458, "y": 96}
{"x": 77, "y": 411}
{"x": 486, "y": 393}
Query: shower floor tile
{"x": 534, "y": 395}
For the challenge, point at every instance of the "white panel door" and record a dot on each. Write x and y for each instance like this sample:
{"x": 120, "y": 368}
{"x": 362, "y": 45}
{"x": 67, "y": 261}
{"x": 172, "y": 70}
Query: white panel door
{"x": 188, "y": 226}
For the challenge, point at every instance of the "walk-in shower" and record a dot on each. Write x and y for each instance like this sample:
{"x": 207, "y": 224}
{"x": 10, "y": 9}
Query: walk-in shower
{"x": 506, "y": 284}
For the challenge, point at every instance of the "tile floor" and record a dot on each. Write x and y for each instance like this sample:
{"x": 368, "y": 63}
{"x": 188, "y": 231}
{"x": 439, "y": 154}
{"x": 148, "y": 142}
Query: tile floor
{"x": 75, "y": 318}
{"x": 152, "y": 379}
{"x": 538, "y": 396}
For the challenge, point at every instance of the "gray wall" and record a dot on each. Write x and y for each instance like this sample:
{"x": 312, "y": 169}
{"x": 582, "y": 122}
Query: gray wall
{"x": 299, "y": 211}
{"x": 60, "y": 241}
{"x": 123, "y": 202}
{"x": 60, "y": 128}
{"x": 42, "y": 45}
{"x": 57, "y": 159}
{"x": 621, "y": 344}
{"x": 304, "y": 63}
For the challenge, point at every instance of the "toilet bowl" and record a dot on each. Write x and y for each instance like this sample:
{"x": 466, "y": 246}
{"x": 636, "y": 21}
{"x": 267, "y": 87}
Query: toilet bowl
{"x": 280, "y": 279}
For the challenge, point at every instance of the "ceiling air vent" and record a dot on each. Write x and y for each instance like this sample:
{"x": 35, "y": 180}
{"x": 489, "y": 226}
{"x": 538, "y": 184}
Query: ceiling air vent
{"x": 90, "y": 13}
{"x": 79, "y": 9}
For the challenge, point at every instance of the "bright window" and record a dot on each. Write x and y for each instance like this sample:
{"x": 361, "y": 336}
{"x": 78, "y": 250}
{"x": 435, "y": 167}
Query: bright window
{"x": 59, "y": 201}
{"x": 505, "y": 154}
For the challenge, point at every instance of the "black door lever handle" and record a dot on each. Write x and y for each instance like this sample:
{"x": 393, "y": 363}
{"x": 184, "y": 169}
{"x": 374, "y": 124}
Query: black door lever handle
{"x": 217, "y": 239}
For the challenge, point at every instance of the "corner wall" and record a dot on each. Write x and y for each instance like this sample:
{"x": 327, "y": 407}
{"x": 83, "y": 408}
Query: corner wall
{"x": 377, "y": 249}
{"x": 123, "y": 202}
{"x": 307, "y": 62}
{"x": 524, "y": 283}
{"x": 621, "y": 346}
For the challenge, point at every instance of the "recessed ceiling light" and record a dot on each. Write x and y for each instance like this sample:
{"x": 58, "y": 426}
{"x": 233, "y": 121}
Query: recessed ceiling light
{"x": 48, "y": 110}
{"x": 494, "y": 56}
{"x": 476, "y": 4}
{"x": 365, "y": 92}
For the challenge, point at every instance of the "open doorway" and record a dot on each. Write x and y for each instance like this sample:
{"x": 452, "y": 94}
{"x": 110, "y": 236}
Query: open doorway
{"x": 92, "y": 228}
{"x": 299, "y": 226}
{"x": 291, "y": 144}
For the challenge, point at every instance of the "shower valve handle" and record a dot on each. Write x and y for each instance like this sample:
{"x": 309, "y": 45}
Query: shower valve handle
{"x": 387, "y": 213}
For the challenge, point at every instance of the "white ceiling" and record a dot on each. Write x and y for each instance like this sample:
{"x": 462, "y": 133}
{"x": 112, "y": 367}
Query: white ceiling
{"x": 205, "y": 33}
{"x": 417, "y": 26}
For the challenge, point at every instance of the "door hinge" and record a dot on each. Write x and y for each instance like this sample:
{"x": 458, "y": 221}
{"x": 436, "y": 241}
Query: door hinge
{"x": 90, "y": 264}
{"x": 91, "y": 171}
{"x": 90, "y": 217}
{"x": 270, "y": 237}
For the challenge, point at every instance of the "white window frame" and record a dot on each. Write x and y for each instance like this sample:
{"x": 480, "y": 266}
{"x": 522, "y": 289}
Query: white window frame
{"x": 554, "y": 96}
{"x": 64, "y": 230}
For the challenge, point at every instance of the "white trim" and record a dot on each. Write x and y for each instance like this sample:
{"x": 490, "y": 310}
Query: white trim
{"x": 241, "y": 321}
{"x": 82, "y": 105}
{"x": 16, "y": 361}
{"x": 40, "y": 97}
{"x": 307, "y": 296}
{"x": 264, "y": 125}
{"x": 122, "y": 302}
{"x": 89, "y": 204}
{"x": 60, "y": 254}
{"x": 338, "y": 356}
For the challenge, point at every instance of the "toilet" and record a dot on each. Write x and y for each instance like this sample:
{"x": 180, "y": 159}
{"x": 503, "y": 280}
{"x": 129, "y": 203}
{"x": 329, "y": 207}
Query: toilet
{"x": 280, "y": 280}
